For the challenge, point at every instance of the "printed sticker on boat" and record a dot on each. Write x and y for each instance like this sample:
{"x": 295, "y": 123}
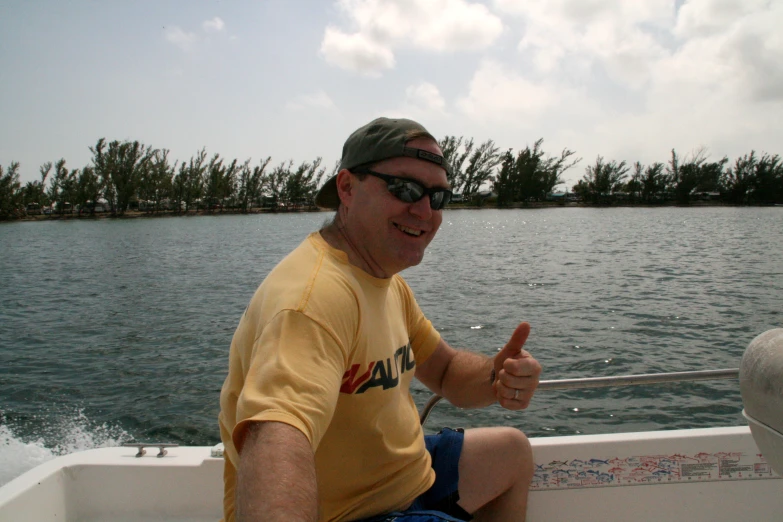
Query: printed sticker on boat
{"x": 651, "y": 469}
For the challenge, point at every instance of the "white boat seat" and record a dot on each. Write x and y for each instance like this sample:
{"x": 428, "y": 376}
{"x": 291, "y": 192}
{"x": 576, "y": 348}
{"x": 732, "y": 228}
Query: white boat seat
{"x": 761, "y": 385}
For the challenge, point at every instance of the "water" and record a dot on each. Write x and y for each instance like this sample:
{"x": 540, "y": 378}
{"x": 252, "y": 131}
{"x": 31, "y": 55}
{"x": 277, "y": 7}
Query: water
{"x": 118, "y": 330}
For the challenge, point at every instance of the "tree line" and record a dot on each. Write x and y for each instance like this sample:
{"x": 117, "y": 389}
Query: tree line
{"x": 128, "y": 175}
{"x": 531, "y": 175}
{"x": 750, "y": 180}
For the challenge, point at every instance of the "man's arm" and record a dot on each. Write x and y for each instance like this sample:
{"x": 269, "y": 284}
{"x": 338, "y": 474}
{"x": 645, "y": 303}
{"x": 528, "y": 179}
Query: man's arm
{"x": 276, "y": 476}
{"x": 464, "y": 378}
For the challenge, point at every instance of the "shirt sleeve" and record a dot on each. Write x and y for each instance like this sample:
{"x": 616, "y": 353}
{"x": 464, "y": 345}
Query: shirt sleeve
{"x": 294, "y": 376}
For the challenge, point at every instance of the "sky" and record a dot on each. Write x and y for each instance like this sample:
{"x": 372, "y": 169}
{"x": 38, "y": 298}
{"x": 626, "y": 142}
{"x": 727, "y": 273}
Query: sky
{"x": 291, "y": 79}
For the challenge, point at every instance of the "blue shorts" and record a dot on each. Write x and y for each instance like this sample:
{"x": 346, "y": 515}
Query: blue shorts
{"x": 439, "y": 503}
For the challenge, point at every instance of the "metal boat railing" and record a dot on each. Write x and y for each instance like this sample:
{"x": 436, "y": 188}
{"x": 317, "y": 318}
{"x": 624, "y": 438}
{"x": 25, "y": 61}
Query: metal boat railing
{"x": 617, "y": 380}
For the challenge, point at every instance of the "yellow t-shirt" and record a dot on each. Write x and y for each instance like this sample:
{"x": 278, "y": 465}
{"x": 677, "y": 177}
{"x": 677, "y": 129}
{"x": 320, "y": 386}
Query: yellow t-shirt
{"x": 327, "y": 348}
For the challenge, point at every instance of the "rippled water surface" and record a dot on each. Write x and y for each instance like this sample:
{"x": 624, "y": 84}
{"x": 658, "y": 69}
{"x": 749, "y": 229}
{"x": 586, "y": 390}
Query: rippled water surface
{"x": 118, "y": 329}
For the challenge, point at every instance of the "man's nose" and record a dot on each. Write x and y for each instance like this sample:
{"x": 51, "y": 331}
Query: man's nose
{"x": 422, "y": 209}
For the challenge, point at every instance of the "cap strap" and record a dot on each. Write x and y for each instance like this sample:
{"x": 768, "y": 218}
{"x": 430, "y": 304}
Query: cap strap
{"x": 424, "y": 155}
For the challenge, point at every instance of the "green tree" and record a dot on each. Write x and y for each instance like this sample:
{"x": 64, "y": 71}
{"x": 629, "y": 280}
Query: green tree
{"x": 251, "y": 184}
{"x": 120, "y": 166}
{"x": 10, "y": 192}
{"x": 603, "y": 179}
{"x": 581, "y": 190}
{"x": 653, "y": 182}
{"x": 739, "y": 179}
{"x": 481, "y": 163}
{"x": 189, "y": 182}
{"x": 103, "y": 169}
{"x": 34, "y": 192}
{"x": 155, "y": 184}
{"x": 32, "y": 196}
{"x": 230, "y": 184}
{"x": 539, "y": 175}
{"x": 195, "y": 187}
{"x": 531, "y": 175}
{"x": 88, "y": 190}
{"x": 62, "y": 191}
{"x": 695, "y": 175}
{"x": 213, "y": 182}
{"x": 754, "y": 180}
{"x": 503, "y": 181}
{"x": 275, "y": 181}
{"x": 179, "y": 187}
{"x": 220, "y": 183}
{"x": 456, "y": 155}
{"x": 299, "y": 186}
{"x": 70, "y": 190}
{"x": 767, "y": 186}
{"x": 634, "y": 185}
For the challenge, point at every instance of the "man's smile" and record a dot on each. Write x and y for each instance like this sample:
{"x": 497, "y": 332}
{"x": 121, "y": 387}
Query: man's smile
{"x": 409, "y": 231}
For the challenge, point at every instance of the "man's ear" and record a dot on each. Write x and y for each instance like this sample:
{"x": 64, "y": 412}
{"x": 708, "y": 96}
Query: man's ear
{"x": 346, "y": 183}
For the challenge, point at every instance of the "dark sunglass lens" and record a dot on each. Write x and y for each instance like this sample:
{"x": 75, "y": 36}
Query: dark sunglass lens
{"x": 406, "y": 191}
{"x": 439, "y": 199}
{"x": 415, "y": 191}
{"x": 400, "y": 191}
{"x": 436, "y": 200}
{"x": 411, "y": 192}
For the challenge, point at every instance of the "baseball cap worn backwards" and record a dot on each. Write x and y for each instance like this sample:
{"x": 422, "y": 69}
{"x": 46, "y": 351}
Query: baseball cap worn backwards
{"x": 381, "y": 139}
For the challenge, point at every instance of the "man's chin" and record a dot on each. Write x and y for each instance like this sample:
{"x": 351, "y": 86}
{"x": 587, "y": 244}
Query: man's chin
{"x": 412, "y": 260}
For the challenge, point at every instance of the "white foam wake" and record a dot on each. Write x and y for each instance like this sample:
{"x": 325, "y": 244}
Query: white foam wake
{"x": 19, "y": 453}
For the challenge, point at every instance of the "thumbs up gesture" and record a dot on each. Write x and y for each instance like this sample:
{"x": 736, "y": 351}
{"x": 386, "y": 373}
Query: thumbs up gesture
{"x": 516, "y": 372}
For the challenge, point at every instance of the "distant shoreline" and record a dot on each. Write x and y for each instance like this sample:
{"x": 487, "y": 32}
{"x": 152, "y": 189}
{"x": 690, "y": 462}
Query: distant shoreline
{"x": 531, "y": 205}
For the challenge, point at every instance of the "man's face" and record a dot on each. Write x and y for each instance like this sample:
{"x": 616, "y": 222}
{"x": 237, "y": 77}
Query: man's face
{"x": 391, "y": 235}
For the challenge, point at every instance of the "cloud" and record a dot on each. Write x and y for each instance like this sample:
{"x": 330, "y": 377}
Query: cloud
{"x": 381, "y": 26}
{"x": 734, "y": 49}
{"x": 706, "y": 17}
{"x": 355, "y": 52}
{"x": 424, "y": 97}
{"x": 214, "y": 25}
{"x": 187, "y": 40}
{"x": 632, "y": 41}
{"x": 621, "y": 37}
{"x": 180, "y": 38}
{"x": 754, "y": 46}
{"x": 657, "y": 73}
{"x": 421, "y": 102}
{"x": 316, "y": 100}
{"x": 498, "y": 93}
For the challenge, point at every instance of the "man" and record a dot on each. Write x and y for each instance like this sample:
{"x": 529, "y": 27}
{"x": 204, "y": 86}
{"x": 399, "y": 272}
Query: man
{"x": 316, "y": 413}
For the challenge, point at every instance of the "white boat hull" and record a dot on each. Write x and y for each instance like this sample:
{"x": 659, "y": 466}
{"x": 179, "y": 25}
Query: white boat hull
{"x": 711, "y": 474}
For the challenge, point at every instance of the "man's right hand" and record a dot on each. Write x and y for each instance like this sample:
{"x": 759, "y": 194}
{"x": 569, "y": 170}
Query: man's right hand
{"x": 516, "y": 372}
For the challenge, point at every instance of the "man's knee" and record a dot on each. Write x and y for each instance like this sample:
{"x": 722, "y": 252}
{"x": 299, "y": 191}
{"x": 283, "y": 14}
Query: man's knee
{"x": 497, "y": 463}
{"x": 517, "y": 447}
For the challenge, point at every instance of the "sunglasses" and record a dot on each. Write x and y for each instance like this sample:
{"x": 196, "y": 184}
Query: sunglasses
{"x": 410, "y": 191}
